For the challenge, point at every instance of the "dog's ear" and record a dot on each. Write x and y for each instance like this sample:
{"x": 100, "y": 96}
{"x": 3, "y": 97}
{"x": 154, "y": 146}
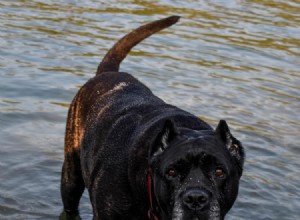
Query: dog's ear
{"x": 167, "y": 134}
{"x": 233, "y": 145}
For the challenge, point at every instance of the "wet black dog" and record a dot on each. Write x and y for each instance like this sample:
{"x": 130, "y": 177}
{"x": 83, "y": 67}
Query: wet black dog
{"x": 136, "y": 153}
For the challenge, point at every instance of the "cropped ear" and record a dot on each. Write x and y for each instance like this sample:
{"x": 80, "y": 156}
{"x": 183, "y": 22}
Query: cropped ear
{"x": 233, "y": 145}
{"x": 167, "y": 134}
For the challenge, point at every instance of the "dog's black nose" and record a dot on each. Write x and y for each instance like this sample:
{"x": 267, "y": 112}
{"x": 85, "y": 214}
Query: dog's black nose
{"x": 196, "y": 199}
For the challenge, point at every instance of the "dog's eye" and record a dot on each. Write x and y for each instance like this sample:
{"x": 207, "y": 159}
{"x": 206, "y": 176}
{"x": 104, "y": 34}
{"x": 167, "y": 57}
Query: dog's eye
{"x": 219, "y": 173}
{"x": 171, "y": 173}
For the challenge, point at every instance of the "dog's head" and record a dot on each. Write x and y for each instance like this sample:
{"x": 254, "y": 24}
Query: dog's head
{"x": 195, "y": 173}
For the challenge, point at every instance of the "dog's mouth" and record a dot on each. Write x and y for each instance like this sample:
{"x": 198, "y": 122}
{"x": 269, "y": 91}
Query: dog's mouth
{"x": 202, "y": 216}
{"x": 211, "y": 213}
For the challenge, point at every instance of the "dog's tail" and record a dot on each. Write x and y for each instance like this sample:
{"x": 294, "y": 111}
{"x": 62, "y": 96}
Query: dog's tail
{"x": 113, "y": 58}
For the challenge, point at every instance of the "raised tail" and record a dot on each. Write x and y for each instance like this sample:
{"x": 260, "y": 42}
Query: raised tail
{"x": 113, "y": 58}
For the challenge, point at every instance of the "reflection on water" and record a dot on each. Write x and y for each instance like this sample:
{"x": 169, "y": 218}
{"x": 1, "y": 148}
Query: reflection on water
{"x": 237, "y": 60}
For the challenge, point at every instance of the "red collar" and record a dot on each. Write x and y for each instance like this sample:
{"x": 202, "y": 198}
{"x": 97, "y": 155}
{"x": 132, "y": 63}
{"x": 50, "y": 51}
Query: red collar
{"x": 151, "y": 214}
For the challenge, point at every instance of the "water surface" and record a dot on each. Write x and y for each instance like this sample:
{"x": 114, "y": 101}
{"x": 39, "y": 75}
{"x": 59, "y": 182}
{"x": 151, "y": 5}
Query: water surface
{"x": 227, "y": 59}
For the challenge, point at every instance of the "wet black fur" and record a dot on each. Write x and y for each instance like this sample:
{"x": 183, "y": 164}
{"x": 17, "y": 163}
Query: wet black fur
{"x": 126, "y": 130}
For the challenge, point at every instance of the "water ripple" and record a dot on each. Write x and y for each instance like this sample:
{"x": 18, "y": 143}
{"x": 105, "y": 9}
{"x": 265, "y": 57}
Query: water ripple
{"x": 226, "y": 59}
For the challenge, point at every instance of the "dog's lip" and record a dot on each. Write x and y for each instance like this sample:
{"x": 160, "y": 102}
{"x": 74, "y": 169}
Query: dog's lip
{"x": 197, "y": 215}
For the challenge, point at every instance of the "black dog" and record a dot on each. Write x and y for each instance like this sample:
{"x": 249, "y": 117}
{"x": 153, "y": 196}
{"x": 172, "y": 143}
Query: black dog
{"x": 141, "y": 158}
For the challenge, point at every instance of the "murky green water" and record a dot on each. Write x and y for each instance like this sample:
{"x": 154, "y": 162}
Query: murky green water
{"x": 228, "y": 59}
